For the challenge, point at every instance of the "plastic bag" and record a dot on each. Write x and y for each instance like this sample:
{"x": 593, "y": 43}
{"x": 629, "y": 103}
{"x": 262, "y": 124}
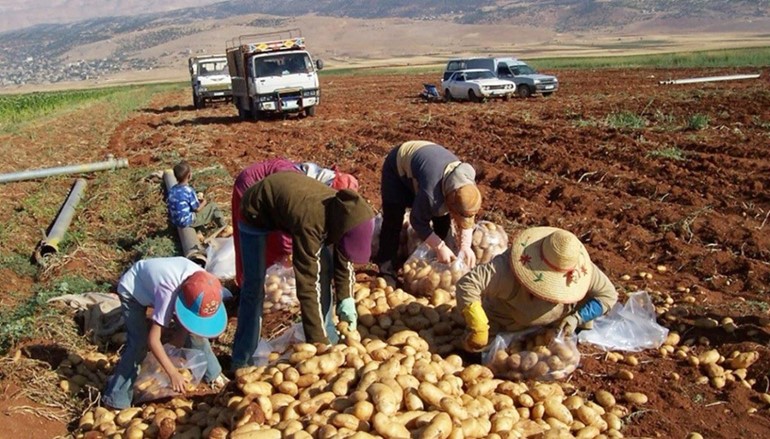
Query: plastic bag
{"x": 262, "y": 354}
{"x": 280, "y": 288}
{"x": 629, "y": 327}
{"x": 221, "y": 258}
{"x": 294, "y": 335}
{"x": 489, "y": 240}
{"x": 153, "y": 383}
{"x": 424, "y": 275}
{"x": 533, "y": 354}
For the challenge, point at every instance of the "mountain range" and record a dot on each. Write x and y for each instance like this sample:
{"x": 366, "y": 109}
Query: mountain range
{"x": 143, "y": 35}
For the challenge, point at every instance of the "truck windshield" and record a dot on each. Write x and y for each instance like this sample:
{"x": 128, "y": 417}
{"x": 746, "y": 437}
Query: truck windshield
{"x": 484, "y": 74}
{"x": 210, "y": 68}
{"x": 282, "y": 64}
{"x": 522, "y": 69}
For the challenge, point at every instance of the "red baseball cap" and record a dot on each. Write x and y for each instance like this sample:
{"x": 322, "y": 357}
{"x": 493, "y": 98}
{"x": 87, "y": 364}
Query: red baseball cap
{"x": 199, "y": 305}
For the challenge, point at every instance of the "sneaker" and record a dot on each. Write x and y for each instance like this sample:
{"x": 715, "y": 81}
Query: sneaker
{"x": 219, "y": 382}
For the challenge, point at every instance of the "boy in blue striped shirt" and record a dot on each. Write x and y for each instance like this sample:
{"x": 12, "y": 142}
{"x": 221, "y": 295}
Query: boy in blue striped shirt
{"x": 184, "y": 208}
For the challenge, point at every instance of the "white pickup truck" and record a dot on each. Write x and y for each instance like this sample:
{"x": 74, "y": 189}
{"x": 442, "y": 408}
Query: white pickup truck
{"x": 210, "y": 79}
{"x": 273, "y": 73}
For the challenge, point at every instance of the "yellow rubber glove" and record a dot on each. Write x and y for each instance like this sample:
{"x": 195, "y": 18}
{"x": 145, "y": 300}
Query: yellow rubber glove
{"x": 477, "y": 336}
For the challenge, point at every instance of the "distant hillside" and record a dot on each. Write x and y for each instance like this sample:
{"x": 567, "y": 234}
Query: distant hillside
{"x": 106, "y": 45}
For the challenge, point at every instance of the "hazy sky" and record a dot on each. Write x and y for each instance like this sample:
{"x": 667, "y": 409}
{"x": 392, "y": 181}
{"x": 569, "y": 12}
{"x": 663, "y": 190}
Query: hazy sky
{"x": 16, "y": 14}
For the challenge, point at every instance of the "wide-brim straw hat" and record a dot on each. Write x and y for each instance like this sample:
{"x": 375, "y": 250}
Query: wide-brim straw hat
{"x": 552, "y": 264}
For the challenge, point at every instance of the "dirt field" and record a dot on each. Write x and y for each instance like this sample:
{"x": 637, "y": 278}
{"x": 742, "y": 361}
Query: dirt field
{"x": 668, "y": 190}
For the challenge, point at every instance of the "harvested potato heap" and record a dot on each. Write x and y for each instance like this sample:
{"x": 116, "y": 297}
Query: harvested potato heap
{"x": 387, "y": 383}
{"x": 489, "y": 240}
{"x": 543, "y": 356}
{"x": 280, "y": 288}
{"x": 423, "y": 274}
{"x": 90, "y": 369}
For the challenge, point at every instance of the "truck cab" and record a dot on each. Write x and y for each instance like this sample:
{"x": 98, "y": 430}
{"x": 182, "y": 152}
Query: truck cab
{"x": 528, "y": 80}
{"x": 210, "y": 79}
{"x": 273, "y": 73}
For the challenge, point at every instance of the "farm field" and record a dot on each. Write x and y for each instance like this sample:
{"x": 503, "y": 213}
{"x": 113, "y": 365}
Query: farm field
{"x": 671, "y": 181}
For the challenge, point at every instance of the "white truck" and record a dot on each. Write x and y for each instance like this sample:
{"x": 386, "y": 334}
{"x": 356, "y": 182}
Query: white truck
{"x": 210, "y": 79}
{"x": 273, "y": 73}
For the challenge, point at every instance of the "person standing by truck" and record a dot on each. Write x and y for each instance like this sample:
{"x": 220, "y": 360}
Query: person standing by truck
{"x": 439, "y": 189}
{"x": 278, "y": 243}
{"x": 316, "y": 216}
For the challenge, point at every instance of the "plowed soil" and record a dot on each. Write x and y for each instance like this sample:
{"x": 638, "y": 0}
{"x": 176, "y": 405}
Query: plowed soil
{"x": 664, "y": 189}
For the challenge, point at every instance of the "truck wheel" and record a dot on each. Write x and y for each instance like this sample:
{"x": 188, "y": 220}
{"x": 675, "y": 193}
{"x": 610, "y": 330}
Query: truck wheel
{"x": 196, "y": 102}
{"x": 310, "y": 111}
{"x": 473, "y": 98}
{"x": 524, "y": 91}
{"x": 448, "y": 96}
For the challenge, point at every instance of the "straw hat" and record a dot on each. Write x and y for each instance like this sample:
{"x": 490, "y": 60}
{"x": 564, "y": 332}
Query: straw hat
{"x": 552, "y": 264}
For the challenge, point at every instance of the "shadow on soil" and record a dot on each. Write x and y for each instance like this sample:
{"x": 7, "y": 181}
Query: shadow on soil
{"x": 169, "y": 109}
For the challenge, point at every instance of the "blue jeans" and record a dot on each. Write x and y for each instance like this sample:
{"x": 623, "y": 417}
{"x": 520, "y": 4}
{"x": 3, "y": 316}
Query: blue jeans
{"x": 120, "y": 386}
{"x": 252, "y": 298}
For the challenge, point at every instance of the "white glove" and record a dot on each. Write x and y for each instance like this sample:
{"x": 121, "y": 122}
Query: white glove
{"x": 466, "y": 252}
{"x": 443, "y": 253}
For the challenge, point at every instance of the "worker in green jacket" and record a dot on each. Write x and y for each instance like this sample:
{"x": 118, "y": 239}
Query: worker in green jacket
{"x": 545, "y": 278}
{"x": 315, "y": 216}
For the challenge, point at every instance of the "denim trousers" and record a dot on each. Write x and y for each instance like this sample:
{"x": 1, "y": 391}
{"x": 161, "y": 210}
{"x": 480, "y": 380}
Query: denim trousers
{"x": 119, "y": 391}
{"x": 253, "y": 243}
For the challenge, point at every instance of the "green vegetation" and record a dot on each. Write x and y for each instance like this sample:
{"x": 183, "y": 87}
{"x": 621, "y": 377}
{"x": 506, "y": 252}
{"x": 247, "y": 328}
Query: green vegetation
{"x": 672, "y": 153}
{"x": 726, "y": 58}
{"x": 697, "y": 122}
{"x": 20, "y": 108}
{"x": 625, "y": 119}
{"x": 748, "y": 57}
{"x": 21, "y": 322}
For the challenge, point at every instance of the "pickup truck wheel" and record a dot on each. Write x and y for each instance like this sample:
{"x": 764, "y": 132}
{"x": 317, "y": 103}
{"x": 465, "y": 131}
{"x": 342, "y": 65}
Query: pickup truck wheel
{"x": 524, "y": 91}
{"x": 448, "y": 96}
{"x": 310, "y": 111}
{"x": 473, "y": 98}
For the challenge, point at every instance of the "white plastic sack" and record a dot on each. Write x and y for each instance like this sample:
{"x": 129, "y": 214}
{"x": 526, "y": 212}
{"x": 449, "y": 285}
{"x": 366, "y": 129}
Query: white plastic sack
{"x": 489, "y": 240}
{"x": 423, "y": 274}
{"x": 152, "y": 381}
{"x": 262, "y": 354}
{"x": 295, "y": 334}
{"x": 629, "y": 327}
{"x": 220, "y": 255}
{"x": 280, "y": 288}
{"x": 532, "y": 354}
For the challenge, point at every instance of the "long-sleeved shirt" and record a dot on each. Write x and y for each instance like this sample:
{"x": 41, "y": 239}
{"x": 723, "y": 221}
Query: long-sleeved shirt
{"x": 510, "y": 307}
{"x": 422, "y": 165}
{"x": 314, "y": 215}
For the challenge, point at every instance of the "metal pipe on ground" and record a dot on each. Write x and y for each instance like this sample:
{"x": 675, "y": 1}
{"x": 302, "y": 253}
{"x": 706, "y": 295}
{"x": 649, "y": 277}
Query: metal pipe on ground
{"x": 110, "y": 164}
{"x": 50, "y": 244}
{"x": 709, "y": 79}
{"x": 191, "y": 246}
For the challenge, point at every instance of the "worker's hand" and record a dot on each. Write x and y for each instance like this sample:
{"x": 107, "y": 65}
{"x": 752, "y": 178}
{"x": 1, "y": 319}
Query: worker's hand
{"x": 475, "y": 341}
{"x": 466, "y": 252}
{"x": 468, "y": 257}
{"x": 477, "y": 334}
{"x": 569, "y": 324}
{"x": 444, "y": 254}
{"x": 178, "y": 382}
{"x": 346, "y": 311}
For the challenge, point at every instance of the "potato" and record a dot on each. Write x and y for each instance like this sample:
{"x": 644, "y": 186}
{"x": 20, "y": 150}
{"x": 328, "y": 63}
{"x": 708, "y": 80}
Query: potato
{"x": 385, "y": 426}
{"x": 635, "y": 398}
{"x": 383, "y": 398}
{"x": 554, "y": 408}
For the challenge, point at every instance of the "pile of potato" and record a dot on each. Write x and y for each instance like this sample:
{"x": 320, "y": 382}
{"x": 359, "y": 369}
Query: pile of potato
{"x": 90, "y": 369}
{"x": 153, "y": 385}
{"x": 489, "y": 240}
{"x": 543, "y": 357}
{"x": 280, "y": 289}
{"x": 394, "y": 378}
